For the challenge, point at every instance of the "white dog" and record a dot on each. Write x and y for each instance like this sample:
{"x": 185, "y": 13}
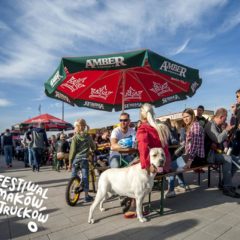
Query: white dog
{"x": 133, "y": 182}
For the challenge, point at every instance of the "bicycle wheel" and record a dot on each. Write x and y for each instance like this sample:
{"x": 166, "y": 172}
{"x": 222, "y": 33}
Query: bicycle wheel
{"x": 73, "y": 190}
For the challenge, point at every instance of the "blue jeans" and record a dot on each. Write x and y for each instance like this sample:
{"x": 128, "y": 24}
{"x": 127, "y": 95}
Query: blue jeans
{"x": 178, "y": 163}
{"x": 8, "y": 153}
{"x": 229, "y": 169}
{"x": 114, "y": 161}
{"x": 37, "y": 156}
{"x": 30, "y": 157}
{"x": 85, "y": 172}
{"x": 26, "y": 156}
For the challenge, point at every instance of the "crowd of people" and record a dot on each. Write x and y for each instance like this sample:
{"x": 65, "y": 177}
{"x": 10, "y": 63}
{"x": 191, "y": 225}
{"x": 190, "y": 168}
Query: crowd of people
{"x": 201, "y": 140}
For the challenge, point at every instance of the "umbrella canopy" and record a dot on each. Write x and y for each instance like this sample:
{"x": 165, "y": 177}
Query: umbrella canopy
{"x": 122, "y": 81}
{"x": 50, "y": 122}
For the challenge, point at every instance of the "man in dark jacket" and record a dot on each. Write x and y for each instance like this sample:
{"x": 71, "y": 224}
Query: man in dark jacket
{"x": 8, "y": 147}
{"x": 214, "y": 139}
{"x": 39, "y": 140}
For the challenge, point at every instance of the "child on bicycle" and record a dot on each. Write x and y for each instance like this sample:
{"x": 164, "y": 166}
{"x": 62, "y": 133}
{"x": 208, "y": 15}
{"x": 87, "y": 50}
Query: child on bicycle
{"x": 82, "y": 143}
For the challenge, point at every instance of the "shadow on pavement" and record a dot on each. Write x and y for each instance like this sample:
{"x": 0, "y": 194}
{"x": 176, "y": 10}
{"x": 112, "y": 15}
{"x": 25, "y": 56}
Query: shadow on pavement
{"x": 16, "y": 228}
{"x": 153, "y": 232}
{"x": 65, "y": 180}
{"x": 189, "y": 201}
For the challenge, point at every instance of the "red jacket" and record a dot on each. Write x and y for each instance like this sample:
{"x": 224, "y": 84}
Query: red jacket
{"x": 147, "y": 138}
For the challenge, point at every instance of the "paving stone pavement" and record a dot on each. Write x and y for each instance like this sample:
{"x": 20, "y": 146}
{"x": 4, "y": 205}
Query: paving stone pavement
{"x": 201, "y": 213}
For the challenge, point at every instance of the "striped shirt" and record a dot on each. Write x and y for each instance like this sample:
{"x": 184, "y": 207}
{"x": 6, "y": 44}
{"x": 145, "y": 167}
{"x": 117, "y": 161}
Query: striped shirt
{"x": 195, "y": 142}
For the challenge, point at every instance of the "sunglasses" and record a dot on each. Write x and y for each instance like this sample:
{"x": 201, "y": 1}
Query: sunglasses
{"x": 123, "y": 120}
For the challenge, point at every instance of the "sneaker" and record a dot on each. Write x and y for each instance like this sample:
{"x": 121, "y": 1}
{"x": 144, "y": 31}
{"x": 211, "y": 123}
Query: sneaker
{"x": 88, "y": 198}
{"x": 181, "y": 188}
{"x": 221, "y": 187}
{"x": 170, "y": 194}
{"x": 230, "y": 192}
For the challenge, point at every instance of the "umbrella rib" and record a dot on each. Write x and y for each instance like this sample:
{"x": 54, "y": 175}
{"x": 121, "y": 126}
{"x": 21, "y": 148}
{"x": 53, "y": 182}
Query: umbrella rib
{"x": 168, "y": 81}
{"x": 134, "y": 75}
{"x": 119, "y": 81}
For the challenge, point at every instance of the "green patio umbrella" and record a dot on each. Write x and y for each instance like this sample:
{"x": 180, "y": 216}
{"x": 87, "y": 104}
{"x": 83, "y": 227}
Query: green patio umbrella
{"x": 121, "y": 80}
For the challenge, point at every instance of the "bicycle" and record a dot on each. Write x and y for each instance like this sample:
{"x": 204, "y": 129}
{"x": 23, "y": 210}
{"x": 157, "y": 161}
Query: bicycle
{"x": 75, "y": 186}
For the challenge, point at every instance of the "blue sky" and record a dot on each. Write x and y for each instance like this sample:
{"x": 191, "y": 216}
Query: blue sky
{"x": 203, "y": 34}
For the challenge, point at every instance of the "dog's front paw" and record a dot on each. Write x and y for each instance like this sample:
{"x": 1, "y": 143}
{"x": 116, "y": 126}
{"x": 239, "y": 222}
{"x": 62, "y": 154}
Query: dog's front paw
{"x": 142, "y": 220}
{"x": 91, "y": 221}
{"x": 102, "y": 209}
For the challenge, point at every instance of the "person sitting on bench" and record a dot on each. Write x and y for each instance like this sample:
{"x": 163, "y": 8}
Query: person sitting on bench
{"x": 214, "y": 139}
{"x": 194, "y": 154}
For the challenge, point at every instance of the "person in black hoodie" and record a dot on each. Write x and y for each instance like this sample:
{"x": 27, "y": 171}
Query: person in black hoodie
{"x": 8, "y": 147}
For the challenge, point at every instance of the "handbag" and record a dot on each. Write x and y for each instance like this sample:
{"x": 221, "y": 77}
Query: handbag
{"x": 211, "y": 156}
{"x": 60, "y": 155}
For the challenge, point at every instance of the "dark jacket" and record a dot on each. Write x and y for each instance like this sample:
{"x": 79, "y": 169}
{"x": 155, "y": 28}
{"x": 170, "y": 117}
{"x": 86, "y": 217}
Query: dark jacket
{"x": 38, "y": 137}
{"x": 62, "y": 146}
{"x": 7, "y": 139}
{"x": 214, "y": 134}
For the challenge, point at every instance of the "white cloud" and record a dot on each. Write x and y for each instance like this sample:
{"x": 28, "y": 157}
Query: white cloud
{"x": 220, "y": 71}
{"x": 181, "y": 48}
{"x": 4, "y": 102}
{"x": 3, "y": 26}
{"x": 230, "y": 23}
{"x": 41, "y": 97}
{"x": 47, "y": 35}
{"x": 56, "y": 105}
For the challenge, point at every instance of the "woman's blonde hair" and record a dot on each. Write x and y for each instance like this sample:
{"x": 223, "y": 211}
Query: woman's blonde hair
{"x": 80, "y": 122}
{"x": 147, "y": 113}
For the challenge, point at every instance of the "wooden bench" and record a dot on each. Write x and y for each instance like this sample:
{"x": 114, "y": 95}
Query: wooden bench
{"x": 160, "y": 179}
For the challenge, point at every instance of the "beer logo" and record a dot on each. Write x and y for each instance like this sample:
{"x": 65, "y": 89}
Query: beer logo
{"x": 105, "y": 62}
{"x": 132, "y": 94}
{"x": 93, "y": 105}
{"x": 62, "y": 97}
{"x": 100, "y": 93}
{"x": 194, "y": 86}
{"x": 55, "y": 79}
{"x": 170, "y": 99}
{"x": 160, "y": 89}
{"x": 73, "y": 84}
{"x": 173, "y": 68}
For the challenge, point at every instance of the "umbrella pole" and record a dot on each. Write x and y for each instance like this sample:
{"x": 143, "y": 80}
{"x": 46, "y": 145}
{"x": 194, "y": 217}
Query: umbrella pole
{"x": 63, "y": 111}
{"x": 123, "y": 95}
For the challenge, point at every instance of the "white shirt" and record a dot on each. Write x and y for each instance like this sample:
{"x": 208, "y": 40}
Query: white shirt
{"x": 118, "y": 134}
